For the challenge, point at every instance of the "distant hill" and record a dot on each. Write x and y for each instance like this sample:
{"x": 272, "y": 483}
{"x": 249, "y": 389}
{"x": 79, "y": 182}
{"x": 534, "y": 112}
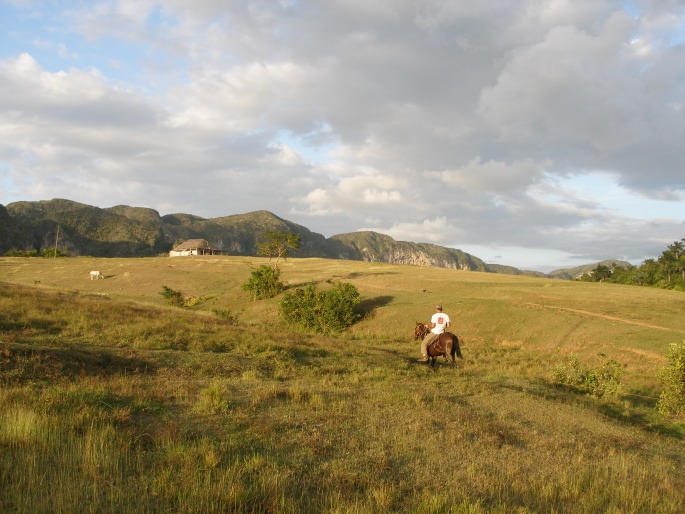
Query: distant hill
{"x": 124, "y": 231}
{"x": 511, "y": 270}
{"x": 85, "y": 230}
{"x": 579, "y": 271}
{"x": 375, "y": 247}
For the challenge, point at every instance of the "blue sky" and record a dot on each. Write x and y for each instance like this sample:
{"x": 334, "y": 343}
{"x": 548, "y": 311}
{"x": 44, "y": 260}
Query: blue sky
{"x": 539, "y": 134}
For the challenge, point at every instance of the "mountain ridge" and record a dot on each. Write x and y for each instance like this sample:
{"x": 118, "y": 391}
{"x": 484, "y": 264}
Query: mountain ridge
{"x": 126, "y": 231}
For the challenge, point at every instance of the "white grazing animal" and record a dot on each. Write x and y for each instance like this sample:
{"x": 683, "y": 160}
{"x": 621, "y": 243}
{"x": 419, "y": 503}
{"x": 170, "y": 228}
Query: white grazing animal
{"x": 96, "y": 275}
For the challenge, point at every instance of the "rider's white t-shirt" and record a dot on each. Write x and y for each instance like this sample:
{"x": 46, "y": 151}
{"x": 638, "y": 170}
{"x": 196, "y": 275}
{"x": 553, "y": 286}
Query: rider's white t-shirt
{"x": 441, "y": 320}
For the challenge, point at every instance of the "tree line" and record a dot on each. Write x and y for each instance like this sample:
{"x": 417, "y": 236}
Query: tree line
{"x": 667, "y": 271}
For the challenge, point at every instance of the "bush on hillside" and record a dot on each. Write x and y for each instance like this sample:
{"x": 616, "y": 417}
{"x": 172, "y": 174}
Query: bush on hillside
{"x": 47, "y": 252}
{"x": 672, "y": 398}
{"x": 21, "y": 253}
{"x": 225, "y": 314}
{"x": 264, "y": 282}
{"x": 604, "y": 381}
{"x": 172, "y": 297}
{"x": 51, "y": 252}
{"x": 327, "y": 311}
{"x": 177, "y": 299}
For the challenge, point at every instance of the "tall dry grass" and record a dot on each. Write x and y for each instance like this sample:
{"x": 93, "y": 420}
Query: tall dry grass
{"x": 117, "y": 403}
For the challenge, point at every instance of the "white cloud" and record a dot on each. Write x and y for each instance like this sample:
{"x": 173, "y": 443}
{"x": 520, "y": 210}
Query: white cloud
{"x": 362, "y": 193}
{"x": 492, "y": 176}
{"x": 436, "y": 230}
{"x": 469, "y": 122}
{"x": 565, "y": 90}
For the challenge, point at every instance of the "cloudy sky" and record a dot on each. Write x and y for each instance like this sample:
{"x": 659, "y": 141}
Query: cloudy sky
{"x": 534, "y": 133}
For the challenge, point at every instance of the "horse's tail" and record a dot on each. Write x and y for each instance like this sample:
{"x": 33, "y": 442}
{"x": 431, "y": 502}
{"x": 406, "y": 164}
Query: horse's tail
{"x": 455, "y": 347}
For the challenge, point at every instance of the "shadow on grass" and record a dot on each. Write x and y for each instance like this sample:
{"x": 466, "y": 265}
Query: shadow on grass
{"x": 368, "y": 305}
{"x": 642, "y": 420}
{"x": 358, "y": 274}
{"x": 43, "y": 326}
{"x": 21, "y": 363}
{"x": 305, "y": 356}
{"x": 644, "y": 399}
{"x": 638, "y": 417}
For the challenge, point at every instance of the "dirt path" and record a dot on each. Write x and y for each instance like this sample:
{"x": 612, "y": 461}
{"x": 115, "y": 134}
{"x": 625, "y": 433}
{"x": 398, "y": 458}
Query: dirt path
{"x": 606, "y": 316}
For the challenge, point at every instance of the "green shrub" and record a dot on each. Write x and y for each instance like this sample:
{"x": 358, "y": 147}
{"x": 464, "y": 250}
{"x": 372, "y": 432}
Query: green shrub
{"x": 177, "y": 299}
{"x": 192, "y": 301}
{"x": 327, "y": 311}
{"x": 51, "y": 252}
{"x": 21, "y": 253}
{"x": 672, "y": 398}
{"x": 603, "y": 381}
{"x": 172, "y": 296}
{"x": 225, "y": 314}
{"x": 264, "y": 282}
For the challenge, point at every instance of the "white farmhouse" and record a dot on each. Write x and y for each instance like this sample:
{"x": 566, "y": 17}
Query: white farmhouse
{"x": 194, "y": 247}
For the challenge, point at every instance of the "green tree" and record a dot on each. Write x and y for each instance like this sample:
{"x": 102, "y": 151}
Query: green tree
{"x": 667, "y": 265}
{"x": 672, "y": 265}
{"x": 601, "y": 273}
{"x": 648, "y": 273}
{"x": 621, "y": 275}
{"x": 274, "y": 243}
{"x": 678, "y": 251}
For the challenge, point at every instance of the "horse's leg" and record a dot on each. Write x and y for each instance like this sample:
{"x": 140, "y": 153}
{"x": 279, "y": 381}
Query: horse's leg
{"x": 447, "y": 349}
{"x": 449, "y": 352}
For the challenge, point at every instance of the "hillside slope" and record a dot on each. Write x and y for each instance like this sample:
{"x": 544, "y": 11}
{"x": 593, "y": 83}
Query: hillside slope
{"x": 114, "y": 401}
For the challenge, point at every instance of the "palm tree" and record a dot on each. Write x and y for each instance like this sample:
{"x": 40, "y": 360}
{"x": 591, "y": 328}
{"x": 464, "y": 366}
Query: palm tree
{"x": 678, "y": 248}
{"x": 648, "y": 273}
{"x": 672, "y": 260}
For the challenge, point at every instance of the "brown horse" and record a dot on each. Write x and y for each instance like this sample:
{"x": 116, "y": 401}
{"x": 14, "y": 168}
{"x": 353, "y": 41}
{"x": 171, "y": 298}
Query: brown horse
{"x": 446, "y": 344}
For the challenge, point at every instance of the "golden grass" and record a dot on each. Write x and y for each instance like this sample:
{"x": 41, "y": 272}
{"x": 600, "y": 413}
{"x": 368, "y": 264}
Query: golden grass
{"x": 112, "y": 401}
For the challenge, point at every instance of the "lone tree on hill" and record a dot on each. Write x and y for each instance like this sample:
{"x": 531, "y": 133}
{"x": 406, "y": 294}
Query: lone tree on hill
{"x": 275, "y": 243}
{"x": 265, "y": 281}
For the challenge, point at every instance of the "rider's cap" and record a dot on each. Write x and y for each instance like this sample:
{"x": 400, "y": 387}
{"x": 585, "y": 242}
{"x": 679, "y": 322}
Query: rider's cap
{"x": 438, "y": 306}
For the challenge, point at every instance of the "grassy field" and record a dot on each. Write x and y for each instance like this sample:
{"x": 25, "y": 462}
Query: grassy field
{"x": 113, "y": 401}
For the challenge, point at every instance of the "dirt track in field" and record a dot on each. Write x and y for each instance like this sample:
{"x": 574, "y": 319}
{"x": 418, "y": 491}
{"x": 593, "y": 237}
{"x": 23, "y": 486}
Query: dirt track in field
{"x": 606, "y": 316}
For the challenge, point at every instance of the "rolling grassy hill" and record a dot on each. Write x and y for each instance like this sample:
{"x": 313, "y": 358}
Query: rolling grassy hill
{"x": 112, "y": 400}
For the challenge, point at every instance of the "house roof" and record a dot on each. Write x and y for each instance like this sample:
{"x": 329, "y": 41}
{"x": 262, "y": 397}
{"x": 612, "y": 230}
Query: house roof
{"x": 193, "y": 244}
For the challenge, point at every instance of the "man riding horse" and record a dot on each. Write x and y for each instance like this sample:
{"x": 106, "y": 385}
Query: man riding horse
{"x": 439, "y": 323}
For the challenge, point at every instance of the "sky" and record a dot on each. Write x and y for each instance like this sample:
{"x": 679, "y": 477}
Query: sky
{"x": 539, "y": 134}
